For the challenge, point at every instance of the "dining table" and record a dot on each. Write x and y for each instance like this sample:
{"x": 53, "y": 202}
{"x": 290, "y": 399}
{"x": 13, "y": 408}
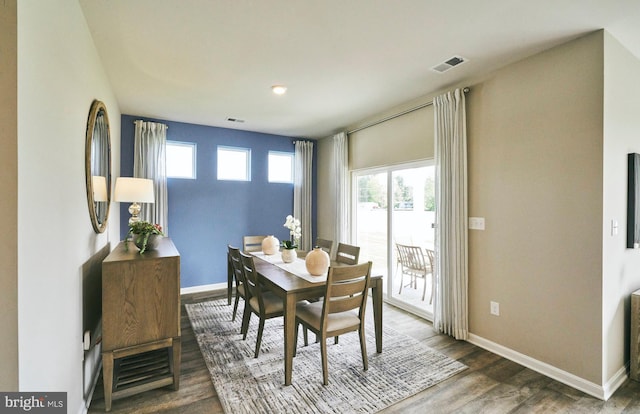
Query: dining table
{"x": 292, "y": 283}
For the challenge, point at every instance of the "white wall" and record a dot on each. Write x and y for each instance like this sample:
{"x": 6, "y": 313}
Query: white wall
{"x": 548, "y": 138}
{"x": 326, "y": 195}
{"x": 59, "y": 75}
{"x": 8, "y": 200}
{"x": 535, "y": 175}
{"x": 621, "y": 266}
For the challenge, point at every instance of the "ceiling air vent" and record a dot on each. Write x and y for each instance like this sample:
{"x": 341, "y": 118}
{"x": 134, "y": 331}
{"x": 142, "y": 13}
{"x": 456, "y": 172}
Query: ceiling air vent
{"x": 235, "y": 120}
{"x": 445, "y": 66}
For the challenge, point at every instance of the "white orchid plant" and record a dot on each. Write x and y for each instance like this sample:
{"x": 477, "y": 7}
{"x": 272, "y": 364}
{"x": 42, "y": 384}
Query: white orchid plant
{"x": 295, "y": 231}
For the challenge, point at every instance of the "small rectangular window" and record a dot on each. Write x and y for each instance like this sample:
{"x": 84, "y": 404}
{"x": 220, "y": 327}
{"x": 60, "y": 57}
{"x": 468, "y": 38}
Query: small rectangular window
{"x": 234, "y": 164}
{"x": 280, "y": 167}
{"x": 181, "y": 159}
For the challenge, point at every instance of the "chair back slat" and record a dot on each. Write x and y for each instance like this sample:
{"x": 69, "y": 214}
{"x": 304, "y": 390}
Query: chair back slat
{"x": 346, "y": 289}
{"x": 349, "y": 287}
{"x": 345, "y": 303}
{"x": 347, "y": 254}
{"x": 252, "y": 243}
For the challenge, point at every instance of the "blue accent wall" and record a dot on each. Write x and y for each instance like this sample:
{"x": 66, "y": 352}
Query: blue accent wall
{"x": 206, "y": 214}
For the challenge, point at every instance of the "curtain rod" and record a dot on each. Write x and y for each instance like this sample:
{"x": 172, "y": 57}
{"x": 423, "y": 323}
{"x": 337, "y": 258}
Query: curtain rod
{"x": 141, "y": 120}
{"x": 390, "y": 117}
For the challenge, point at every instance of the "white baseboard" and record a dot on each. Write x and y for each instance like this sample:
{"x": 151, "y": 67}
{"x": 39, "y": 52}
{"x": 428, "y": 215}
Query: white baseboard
{"x": 616, "y": 381}
{"x": 588, "y": 387}
{"x": 203, "y": 288}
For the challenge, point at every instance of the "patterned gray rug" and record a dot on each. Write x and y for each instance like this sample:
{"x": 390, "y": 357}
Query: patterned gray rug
{"x": 248, "y": 385}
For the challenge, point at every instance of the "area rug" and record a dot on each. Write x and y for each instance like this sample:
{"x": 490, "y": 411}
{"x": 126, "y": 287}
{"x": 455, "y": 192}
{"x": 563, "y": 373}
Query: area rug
{"x": 256, "y": 385}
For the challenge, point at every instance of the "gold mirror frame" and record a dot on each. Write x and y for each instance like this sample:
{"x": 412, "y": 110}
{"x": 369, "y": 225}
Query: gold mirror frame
{"x": 97, "y": 163}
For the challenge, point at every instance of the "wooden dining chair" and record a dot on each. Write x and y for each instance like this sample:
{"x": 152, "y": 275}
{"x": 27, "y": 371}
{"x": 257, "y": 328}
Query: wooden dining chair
{"x": 413, "y": 264}
{"x": 346, "y": 292}
{"x": 238, "y": 277}
{"x": 325, "y": 245}
{"x": 347, "y": 254}
{"x": 262, "y": 302}
{"x": 252, "y": 243}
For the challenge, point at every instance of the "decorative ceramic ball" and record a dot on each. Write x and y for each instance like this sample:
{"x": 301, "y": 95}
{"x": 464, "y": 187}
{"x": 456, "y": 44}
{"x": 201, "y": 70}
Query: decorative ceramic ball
{"x": 317, "y": 262}
{"x": 270, "y": 245}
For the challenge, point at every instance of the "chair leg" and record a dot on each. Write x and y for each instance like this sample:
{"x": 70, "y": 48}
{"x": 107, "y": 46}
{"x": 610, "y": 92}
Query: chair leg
{"x": 363, "y": 348}
{"x": 323, "y": 352}
{"x": 235, "y": 307}
{"x": 305, "y": 334}
{"x": 295, "y": 339}
{"x": 259, "y": 340}
{"x": 424, "y": 290}
{"x": 335, "y": 340}
{"x": 245, "y": 321}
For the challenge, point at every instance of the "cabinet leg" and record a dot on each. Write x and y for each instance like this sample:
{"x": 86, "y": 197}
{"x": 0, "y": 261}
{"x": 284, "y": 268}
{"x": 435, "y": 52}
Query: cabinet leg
{"x": 107, "y": 379}
{"x": 177, "y": 352}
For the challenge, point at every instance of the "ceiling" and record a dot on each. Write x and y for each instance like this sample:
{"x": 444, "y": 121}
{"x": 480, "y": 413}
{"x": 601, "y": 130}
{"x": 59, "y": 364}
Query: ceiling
{"x": 203, "y": 61}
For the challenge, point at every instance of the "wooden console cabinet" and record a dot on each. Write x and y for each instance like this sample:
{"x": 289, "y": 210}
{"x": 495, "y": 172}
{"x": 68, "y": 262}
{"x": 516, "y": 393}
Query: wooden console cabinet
{"x": 140, "y": 320}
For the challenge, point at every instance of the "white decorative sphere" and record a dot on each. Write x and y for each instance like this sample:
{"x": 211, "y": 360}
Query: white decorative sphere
{"x": 270, "y": 245}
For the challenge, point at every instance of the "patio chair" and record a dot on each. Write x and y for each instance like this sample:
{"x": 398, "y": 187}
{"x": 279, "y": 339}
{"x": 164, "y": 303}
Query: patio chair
{"x": 414, "y": 264}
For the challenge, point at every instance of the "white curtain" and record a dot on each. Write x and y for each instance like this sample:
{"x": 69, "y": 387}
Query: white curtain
{"x": 450, "y": 314}
{"x": 302, "y": 190}
{"x": 341, "y": 184}
{"x": 150, "y": 162}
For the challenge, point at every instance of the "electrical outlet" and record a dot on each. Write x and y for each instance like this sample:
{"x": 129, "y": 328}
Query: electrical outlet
{"x": 495, "y": 308}
{"x": 476, "y": 223}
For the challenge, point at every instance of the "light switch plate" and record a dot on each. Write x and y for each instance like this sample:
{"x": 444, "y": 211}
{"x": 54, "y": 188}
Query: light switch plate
{"x": 476, "y": 223}
{"x": 495, "y": 308}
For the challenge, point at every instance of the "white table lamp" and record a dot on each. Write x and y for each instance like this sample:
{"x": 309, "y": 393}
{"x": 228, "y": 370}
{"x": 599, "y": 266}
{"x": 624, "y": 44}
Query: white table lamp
{"x": 134, "y": 190}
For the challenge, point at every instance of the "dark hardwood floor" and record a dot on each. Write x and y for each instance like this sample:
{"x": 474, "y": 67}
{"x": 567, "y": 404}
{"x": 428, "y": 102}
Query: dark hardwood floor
{"x": 491, "y": 384}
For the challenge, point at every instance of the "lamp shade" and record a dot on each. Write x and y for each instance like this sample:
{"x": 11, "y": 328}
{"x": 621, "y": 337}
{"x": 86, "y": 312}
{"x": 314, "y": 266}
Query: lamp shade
{"x": 99, "y": 184}
{"x": 129, "y": 189}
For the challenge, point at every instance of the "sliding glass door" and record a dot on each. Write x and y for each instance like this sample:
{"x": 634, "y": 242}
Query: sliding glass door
{"x": 396, "y": 205}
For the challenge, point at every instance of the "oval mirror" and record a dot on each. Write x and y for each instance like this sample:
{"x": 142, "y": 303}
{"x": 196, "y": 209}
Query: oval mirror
{"x": 98, "y": 166}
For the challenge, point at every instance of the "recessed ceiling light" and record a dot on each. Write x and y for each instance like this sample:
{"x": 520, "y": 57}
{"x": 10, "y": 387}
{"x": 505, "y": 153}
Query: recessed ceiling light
{"x": 279, "y": 89}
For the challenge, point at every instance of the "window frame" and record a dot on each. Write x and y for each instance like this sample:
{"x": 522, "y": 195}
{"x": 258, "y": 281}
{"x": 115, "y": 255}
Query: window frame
{"x": 228, "y": 148}
{"x": 291, "y": 157}
{"x": 389, "y": 272}
{"x": 194, "y": 152}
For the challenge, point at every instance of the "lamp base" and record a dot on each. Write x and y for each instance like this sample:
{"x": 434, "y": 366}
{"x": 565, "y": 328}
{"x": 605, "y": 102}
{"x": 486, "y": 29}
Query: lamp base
{"x": 134, "y": 210}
